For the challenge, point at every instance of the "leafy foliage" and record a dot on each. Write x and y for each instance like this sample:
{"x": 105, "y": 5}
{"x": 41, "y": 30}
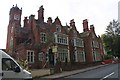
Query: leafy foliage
{"x": 111, "y": 38}
{"x": 113, "y": 28}
{"x": 108, "y": 57}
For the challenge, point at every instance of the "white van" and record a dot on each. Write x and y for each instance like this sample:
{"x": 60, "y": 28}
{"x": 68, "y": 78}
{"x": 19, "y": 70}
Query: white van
{"x": 12, "y": 70}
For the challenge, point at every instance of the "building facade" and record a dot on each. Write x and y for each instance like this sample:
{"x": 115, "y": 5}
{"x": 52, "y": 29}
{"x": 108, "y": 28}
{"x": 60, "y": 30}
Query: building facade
{"x": 43, "y": 44}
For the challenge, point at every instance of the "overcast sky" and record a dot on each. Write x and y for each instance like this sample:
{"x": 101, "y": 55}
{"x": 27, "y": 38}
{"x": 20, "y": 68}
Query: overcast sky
{"x": 98, "y": 12}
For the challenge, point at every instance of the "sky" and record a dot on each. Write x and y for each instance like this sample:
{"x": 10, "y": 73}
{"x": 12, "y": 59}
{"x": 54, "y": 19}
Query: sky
{"x": 98, "y": 12}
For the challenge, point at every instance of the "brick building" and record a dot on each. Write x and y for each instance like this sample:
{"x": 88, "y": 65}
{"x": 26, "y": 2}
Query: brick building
{"x": 42, "y": 44}
{"x": 92, "y": 44}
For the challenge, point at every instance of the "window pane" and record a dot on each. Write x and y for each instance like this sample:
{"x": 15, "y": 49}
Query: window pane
{"x": 28, "y": 53}
{"x": 8, "y": 64}
{"x": 40, "y": 56}
{"x": 31, "y": 53}
{"x": 30, "y": 56}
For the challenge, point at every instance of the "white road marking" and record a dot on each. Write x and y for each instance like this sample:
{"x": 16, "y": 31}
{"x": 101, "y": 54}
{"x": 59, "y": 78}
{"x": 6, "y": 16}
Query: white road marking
{"x": 107, "y": 76}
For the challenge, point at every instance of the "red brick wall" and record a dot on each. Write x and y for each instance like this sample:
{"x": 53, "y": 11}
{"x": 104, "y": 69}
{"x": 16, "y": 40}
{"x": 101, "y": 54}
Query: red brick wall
{"x": 88, "y": 49}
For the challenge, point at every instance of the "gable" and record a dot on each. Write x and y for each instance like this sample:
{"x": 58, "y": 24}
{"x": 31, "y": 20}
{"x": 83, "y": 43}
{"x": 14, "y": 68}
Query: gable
{"x": 85, "y": 34}
{"x": 93, "y": 35}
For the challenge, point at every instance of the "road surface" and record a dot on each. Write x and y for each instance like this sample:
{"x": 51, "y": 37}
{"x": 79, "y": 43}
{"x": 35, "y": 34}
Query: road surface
{"x": 109, "y": 72}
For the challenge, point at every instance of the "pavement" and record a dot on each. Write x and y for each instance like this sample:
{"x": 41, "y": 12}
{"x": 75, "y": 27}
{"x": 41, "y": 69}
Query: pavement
{"x": 68, "y": 73}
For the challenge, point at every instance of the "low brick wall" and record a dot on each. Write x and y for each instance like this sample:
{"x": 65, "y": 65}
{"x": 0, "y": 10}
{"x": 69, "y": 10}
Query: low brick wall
{"x": 40, "y": 72}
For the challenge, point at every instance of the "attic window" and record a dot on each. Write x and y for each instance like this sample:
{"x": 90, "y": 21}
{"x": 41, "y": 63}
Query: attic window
{"x": 58, "y": 28}
{"x": 75, "y": 33}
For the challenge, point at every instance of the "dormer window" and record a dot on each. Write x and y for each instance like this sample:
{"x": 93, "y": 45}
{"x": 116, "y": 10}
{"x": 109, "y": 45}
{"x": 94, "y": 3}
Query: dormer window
{"x": 74, "y": 32}
{"x": 58, "y": 28}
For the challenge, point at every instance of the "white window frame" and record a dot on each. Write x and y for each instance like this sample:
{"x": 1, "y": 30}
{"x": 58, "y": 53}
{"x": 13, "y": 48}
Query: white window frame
{"x": 95, "y": 56}
{"x": 78, "y": 42}
{"x": 31, "y": 56}
{"x": 58, "y": 28}
{"x": 43, "y": 37}
{"x": 63, "y": 54}
{"x": 40, "y": 56}
{"x": 78, "y": 56}
{"x": 61, "y": 39}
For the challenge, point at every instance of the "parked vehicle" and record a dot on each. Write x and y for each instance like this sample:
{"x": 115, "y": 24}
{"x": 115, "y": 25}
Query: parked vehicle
{"x": 108, "y": 61}
{"x": 12, "y": 70}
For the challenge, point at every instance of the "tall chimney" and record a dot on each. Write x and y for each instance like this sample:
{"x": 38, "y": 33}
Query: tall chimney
{"x": 92, "y": 28}
{"x": 25, "y": 22}
{"x": 41, "y": 14}
{"x": 85, "y": 25}
{"x": 49, "y": 21}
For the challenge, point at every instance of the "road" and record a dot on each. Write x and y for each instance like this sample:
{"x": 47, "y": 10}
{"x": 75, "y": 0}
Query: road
{"x": 111, "y": 71}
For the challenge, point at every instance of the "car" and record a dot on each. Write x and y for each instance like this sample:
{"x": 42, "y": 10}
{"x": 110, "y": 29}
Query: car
{"x": 11, "y": 69}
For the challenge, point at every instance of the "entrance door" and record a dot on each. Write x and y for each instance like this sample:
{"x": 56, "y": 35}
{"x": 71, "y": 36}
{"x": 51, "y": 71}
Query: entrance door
{"x": 51, "y": 57}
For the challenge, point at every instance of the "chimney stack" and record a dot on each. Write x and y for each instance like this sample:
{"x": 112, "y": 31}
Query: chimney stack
{"x": 25, "y": 22}
{"x": 85, "y": 25}
{"x": 41, "y": 14}
{"x": 72, "y": 22}
{"x": 92, "y": 28}
{"x": 49, "y": 21}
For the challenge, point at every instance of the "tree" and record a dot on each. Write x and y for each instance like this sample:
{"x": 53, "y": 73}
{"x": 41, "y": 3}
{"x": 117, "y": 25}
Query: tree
{"x": 107, "y": 42}
{"x": 111, "y": 38}
{"x": 113, "y": 28}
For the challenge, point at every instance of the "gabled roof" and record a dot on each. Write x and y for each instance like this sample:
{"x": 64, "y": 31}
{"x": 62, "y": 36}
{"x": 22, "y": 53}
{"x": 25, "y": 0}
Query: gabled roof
{"x": 57, "y": 21}
{"x": 85, "y": 34}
